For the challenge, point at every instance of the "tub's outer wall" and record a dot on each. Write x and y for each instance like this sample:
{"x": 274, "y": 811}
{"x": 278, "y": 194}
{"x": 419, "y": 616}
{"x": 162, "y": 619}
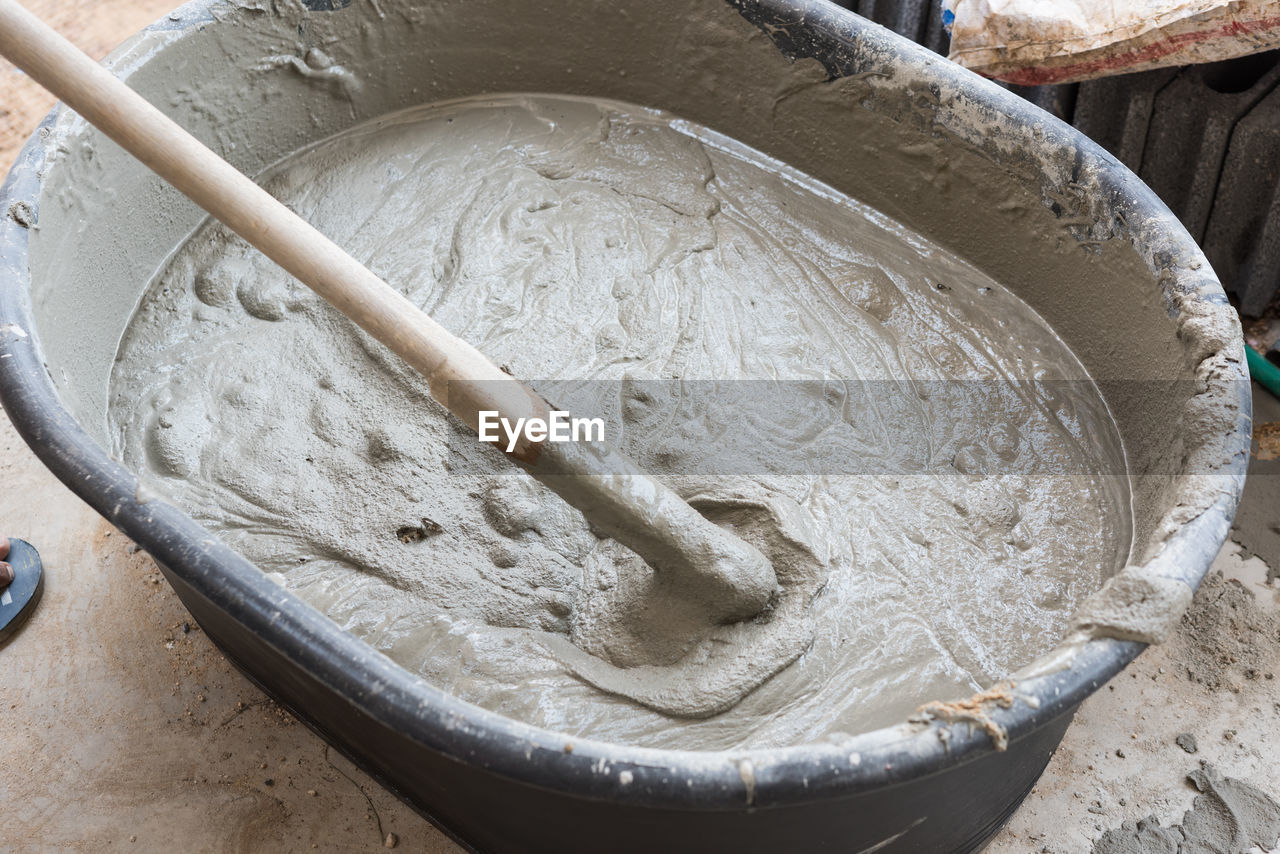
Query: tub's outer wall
{"x": 956, "y": 810}
{"x": 504, "y": 786}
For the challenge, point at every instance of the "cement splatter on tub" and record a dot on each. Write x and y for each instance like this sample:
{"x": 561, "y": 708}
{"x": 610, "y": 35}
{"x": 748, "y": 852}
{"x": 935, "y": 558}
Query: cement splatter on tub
{"x": 593, "y": 246}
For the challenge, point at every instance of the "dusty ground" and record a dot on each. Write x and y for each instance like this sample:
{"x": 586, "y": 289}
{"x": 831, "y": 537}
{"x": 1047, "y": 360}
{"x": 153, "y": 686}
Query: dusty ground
{"x": 121, "y": 726}
{"x": 96, "y": 27}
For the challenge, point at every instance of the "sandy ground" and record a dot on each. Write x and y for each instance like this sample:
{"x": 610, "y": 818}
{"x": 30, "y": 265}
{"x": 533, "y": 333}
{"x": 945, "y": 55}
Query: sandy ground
{"x": 95, "y": 27}
{"x": 123, "y": 728}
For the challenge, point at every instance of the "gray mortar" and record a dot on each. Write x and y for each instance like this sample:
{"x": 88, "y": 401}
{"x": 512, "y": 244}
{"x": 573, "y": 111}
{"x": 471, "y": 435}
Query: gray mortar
{"x": 578, "y": 241}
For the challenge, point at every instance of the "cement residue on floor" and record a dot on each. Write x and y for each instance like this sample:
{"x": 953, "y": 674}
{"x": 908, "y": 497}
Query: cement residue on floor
{"x": 1229, "y": 641}
{"x": 1229, "y": 816}
{"x": 574, "y": 241}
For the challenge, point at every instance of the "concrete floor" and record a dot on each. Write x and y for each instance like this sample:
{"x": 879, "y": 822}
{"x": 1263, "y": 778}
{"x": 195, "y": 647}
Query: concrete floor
{"x": 123, "y": 728}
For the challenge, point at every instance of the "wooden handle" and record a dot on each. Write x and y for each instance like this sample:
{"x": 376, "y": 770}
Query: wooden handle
{"x": 460, "y": 376}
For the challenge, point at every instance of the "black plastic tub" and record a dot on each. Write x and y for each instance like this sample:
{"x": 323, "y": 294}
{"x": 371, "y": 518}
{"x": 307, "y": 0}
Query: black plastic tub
{"x": 1024, "y": 196}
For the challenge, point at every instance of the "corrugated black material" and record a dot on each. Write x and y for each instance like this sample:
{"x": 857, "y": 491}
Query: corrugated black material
{"x": 1116, "y": 111}
{"x": 1242, "y": 238}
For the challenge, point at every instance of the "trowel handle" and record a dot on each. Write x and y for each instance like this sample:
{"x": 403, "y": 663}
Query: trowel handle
{"x": 461, "y": 377}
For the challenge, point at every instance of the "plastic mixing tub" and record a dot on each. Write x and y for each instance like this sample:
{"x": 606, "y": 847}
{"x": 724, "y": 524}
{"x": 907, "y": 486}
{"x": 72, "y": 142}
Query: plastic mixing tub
{"x": 1022, "y": 195}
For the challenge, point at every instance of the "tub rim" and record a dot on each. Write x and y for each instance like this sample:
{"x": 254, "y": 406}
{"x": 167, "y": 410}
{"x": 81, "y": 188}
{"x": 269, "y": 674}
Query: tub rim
{"x": 652, "y": 777}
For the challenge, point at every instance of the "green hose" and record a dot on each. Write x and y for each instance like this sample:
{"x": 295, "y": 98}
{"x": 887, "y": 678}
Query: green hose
{"x": 1266, "y": 374}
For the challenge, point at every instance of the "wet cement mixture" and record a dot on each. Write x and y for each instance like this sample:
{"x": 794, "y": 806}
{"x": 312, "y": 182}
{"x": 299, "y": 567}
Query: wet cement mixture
{"x": 588, "y": 246}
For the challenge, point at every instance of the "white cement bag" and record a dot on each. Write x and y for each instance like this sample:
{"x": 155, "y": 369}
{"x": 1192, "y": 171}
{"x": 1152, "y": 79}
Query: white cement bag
{"x": 1059, "y": 41}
